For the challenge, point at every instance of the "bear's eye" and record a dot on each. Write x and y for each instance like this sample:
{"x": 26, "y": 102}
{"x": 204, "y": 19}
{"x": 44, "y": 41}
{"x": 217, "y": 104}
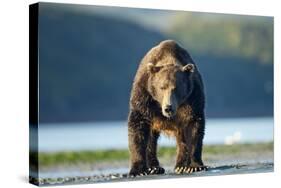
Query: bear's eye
{"x": 163, "y": 87}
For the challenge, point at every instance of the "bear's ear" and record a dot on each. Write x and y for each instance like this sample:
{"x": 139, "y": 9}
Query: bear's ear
{"x": 188, "y": 68}
{"x": 152, "y": 68}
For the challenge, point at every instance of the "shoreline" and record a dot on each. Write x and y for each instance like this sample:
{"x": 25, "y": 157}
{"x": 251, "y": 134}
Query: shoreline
{"x": 166, "y": 154}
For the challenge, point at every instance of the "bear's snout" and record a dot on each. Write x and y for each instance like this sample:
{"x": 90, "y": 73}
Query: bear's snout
{"x": 169, "y": 104}
{"x": 168, "y": 111}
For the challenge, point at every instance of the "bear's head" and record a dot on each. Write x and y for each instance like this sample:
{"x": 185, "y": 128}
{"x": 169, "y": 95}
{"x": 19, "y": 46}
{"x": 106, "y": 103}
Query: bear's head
{"x": 170, "y": 85}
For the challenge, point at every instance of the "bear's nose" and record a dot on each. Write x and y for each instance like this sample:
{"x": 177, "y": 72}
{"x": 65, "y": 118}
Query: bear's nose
{"x": 168, "y": 109}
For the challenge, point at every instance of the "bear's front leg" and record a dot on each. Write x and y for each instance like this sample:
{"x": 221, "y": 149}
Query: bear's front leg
{"x": 189, "y": 147}
{"x": 195, "y": 134}
{"x": 183, "y": 160}
{"x": 138, "y": 130}
{"x": 151, "y": 154}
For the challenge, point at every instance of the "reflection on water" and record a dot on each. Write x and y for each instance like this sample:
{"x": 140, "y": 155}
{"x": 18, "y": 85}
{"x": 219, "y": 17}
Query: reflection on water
{"x": 113, "y": 135}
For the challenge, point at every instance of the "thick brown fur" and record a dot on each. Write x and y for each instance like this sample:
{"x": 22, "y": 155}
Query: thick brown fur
{"x": 167, "y": 97}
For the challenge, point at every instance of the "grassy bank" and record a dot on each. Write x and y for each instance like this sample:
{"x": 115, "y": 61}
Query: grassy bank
{"x": 75, "y": 157}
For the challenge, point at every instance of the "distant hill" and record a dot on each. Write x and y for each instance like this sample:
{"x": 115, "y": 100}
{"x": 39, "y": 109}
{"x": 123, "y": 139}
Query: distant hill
{"x": 237, "y": 87}
{"x": 87, "y": 64}
{"x": 225, "y": 35}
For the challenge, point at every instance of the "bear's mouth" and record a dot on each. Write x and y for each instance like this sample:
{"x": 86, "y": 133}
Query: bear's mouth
{"x": 170, "y": 118}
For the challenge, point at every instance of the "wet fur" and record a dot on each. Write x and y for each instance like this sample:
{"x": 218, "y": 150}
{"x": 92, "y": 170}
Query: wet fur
{"x": 146, "y": 122}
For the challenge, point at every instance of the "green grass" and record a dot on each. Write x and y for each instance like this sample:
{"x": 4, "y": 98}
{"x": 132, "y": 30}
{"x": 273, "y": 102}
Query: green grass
{"x": 68, "y": 157}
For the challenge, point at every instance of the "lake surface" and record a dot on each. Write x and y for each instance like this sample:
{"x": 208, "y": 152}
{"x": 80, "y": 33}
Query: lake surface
{"x": 114, "y": 135}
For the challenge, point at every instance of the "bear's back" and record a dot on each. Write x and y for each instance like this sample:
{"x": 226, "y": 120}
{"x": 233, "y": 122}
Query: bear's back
{"x": 167, "y": 52}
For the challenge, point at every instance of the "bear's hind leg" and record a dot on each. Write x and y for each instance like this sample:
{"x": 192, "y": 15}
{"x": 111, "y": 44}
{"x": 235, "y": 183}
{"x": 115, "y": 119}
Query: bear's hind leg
{"x": 151, "y": 154}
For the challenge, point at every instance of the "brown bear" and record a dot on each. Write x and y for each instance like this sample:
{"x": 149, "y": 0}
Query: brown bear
{"x": 167, "y": 96}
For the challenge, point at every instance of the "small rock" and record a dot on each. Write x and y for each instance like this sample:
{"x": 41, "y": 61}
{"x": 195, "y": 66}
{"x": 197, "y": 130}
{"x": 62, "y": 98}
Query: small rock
{"x": 113, "y": 177}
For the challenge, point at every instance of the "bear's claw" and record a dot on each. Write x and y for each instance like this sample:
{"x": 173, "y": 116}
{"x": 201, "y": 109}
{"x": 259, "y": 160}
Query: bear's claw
{"x": 156, "y": 170}
{"x": 138, "y": 174}
{"x": 189, "y": 170}
{"x": 143, "y": 174}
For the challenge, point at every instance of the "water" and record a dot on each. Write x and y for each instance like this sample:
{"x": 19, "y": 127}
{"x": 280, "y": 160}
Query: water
{"x": 114, "y": 135}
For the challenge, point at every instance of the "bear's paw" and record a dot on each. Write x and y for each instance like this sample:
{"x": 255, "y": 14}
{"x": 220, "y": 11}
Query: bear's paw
{"x": 189, "y": 169}
{"x": 156, "y": 170}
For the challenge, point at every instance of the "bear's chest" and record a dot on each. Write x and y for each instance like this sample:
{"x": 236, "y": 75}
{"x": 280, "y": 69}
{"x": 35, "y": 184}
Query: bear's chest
{"x": 171, "y": 126}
